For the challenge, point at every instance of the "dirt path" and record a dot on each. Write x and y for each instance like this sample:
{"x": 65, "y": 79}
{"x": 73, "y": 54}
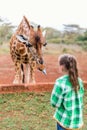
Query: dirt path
{"x": 7, "y": 69}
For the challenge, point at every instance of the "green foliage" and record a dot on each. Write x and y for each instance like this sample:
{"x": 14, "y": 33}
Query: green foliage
{"x": 82, "y": 38}
{"x": 54, "y": 40}
{"x": 52, "y": 33}
{"x": 6, "y": 30}
{"x": 72, "y": 34}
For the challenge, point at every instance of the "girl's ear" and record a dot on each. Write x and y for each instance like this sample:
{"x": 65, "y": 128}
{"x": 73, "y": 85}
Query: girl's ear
{"x": 63, "y": 68}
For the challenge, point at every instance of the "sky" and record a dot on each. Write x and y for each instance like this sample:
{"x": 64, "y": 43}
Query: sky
{"x": 47, "y": 13}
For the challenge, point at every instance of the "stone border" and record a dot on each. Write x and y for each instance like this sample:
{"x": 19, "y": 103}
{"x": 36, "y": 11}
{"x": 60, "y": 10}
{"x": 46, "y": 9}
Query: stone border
{"x": 38, "y": 87}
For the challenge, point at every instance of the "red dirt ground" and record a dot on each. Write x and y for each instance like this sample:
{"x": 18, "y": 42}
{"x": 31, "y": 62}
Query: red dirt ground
{"x": 7, "y": 72}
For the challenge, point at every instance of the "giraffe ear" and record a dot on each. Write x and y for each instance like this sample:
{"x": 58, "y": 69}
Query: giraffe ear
{"x": 44, "y": 33}
{"x": 24, "y": 40}
{"x": 45, "y": 44}
{"x": 21, "y": 38}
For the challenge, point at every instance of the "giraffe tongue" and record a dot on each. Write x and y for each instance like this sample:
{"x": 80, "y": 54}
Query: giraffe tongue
{"x": 44, "y": 71}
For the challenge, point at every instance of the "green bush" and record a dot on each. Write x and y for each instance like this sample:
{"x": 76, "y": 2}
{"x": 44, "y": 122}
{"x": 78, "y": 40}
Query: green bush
{"x": 55, "y": 40}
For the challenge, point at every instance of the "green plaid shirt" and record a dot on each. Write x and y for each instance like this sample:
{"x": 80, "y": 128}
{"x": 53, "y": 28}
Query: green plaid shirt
{"x": 69, "y": 105}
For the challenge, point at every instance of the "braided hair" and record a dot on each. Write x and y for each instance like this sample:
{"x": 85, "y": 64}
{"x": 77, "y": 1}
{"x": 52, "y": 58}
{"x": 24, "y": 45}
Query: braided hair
{"x": 70, "y": 65}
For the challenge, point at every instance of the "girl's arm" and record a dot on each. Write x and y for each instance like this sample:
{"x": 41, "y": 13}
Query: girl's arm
{"x": 56, "y": 95}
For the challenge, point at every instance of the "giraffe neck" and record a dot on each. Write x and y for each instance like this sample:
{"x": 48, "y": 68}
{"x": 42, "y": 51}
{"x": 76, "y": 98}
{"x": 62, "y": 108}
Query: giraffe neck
{"x": 33, "y": 55}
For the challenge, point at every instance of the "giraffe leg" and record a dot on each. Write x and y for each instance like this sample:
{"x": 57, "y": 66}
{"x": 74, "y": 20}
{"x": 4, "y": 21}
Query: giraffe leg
{"x": 32, "y": 72}
{"x": 22, "y": 74}
{"x": 17, "y": 78}
{"x": 27, "y": 73}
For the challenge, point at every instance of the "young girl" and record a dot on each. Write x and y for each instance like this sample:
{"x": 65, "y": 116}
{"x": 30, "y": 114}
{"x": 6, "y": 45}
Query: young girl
{"x": 67, "y": 95}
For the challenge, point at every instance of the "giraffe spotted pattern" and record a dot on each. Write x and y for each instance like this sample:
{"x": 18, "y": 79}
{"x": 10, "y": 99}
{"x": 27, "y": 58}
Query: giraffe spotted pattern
{"x": 26, "y": 52}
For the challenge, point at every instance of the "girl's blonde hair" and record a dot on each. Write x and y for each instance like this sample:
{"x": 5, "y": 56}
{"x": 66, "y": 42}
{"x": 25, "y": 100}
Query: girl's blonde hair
{"x": 70, "y": 64}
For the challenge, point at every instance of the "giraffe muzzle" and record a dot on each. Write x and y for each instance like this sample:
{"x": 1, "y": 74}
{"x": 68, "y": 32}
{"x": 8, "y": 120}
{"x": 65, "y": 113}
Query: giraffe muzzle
{"x": 44, "y": 71}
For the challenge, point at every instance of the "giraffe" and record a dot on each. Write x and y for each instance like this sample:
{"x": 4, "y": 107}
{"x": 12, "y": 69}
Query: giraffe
{"x": 26, "y": 51}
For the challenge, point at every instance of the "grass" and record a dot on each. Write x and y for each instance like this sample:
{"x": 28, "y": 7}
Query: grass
{"x": 4, "y": 48}
{"x": 49, "y": 49}
{"x": 26, "y": 111}
{"x": 29, "y": 111}
{"x": 62, "y": 48}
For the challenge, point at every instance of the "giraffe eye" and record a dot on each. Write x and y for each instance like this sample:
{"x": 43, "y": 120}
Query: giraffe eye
{"x": 45, "y": 44}
{"x": 41, "y": 61}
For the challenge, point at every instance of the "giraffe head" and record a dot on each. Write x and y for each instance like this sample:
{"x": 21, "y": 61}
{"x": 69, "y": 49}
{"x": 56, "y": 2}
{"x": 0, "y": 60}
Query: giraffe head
{"x": 38, "y": 40}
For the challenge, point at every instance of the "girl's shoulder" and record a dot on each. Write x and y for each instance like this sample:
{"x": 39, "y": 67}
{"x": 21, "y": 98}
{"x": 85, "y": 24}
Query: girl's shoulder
{"x": 63, "y": 81}
{"x": 62, "y": 78}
